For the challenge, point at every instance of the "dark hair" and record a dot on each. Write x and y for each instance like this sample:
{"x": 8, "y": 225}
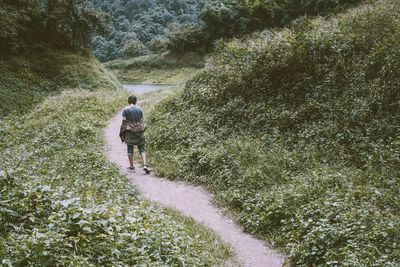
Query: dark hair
{"x": 132, "y": 99}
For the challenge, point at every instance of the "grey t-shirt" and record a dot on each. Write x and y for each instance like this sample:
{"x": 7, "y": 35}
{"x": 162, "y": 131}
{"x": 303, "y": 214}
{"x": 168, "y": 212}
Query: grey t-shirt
{"x": 133, "y": 113}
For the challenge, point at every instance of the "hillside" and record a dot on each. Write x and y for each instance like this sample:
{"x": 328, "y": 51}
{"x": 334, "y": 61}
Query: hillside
{"x": 26, "y": 80}
{"x": 62, "y": 202}
{"x": 297, "y": 132}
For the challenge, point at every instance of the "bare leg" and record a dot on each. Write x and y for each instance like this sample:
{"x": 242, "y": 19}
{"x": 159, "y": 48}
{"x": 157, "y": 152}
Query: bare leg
{"x": 144, "y": 160}
{"x": 130, "y": 160}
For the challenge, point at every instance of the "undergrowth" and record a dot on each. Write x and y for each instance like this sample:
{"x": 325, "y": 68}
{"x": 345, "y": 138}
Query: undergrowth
{"x": 63, "y": 204}
{"x": 297, "y": 132}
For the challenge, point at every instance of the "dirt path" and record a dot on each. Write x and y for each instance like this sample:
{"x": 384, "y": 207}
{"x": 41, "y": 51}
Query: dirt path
{"x": 191, "y": 201}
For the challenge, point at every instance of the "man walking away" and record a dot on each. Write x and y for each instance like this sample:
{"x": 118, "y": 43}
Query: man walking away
{"x": 132, "y": 132}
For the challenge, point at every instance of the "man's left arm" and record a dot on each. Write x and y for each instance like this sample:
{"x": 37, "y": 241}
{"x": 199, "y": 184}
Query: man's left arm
{"x": 124, "y": 114}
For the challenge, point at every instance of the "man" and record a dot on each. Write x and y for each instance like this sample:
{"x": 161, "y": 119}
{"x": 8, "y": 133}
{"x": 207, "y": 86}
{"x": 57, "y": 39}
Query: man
{"x": 132, "y": 132}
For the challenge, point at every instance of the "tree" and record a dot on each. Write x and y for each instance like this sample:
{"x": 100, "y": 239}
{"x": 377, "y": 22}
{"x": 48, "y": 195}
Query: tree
{"x": 221, "y": 18}
{"x": 186, "y": 38}
{"x": 70, "y": 23}
{"x": 134, "y": 48}
{"x": 27, "y": 24}
{"x": 20, "y": 24}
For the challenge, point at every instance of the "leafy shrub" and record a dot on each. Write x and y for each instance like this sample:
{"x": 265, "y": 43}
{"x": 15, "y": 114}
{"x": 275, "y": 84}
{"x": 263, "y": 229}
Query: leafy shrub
{"x": 296, "y": 132}
{"x": 134, "y": 48}
{"x": 186, "y": 38}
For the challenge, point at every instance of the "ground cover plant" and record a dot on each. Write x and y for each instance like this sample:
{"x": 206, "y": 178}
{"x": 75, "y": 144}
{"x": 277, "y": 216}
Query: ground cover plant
{"x": 63, "y": 204}
{"x": 157, "y": 68}
{"x": 297, "y": 132}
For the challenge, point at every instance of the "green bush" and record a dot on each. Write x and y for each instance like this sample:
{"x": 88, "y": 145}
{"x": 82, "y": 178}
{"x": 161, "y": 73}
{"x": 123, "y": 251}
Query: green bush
{"x": 296, "y": 132}
{"x": 186, "y": 38}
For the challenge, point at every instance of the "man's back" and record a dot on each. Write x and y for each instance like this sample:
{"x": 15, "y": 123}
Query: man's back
{"x": 133, "y": 113}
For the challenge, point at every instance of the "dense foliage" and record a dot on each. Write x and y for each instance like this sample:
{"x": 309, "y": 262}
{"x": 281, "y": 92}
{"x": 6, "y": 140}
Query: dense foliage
{"x": 63, "y": 204}
{"x": 235, "y": 18}
{"x": 297, "y": 132}
{"x": 18, "y": 21}
{"x": 229, "y": 18}
{"x": 30, "y": 25}
{"x": 140, "y": 27}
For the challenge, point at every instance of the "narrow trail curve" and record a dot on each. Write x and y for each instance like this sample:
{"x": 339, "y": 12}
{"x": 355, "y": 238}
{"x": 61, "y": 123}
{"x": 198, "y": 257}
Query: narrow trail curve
{"x": 191, "y": 201}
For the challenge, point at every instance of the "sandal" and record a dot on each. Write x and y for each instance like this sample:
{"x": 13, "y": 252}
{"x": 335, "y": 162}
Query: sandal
{"x": 131, "y": 168}
{"x": 146, "y": 169}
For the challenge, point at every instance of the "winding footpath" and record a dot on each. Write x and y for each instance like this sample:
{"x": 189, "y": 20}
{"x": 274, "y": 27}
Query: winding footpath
{"x": 191, "y": 201}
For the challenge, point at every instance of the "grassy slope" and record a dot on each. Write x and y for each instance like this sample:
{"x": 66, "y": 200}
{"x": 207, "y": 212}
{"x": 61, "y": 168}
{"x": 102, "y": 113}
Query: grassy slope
{"x": 25, "y": 80}
{"x": 156, "y": 68}
{"x": 298, "y": 135}
{"x": 62, "y": 203}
